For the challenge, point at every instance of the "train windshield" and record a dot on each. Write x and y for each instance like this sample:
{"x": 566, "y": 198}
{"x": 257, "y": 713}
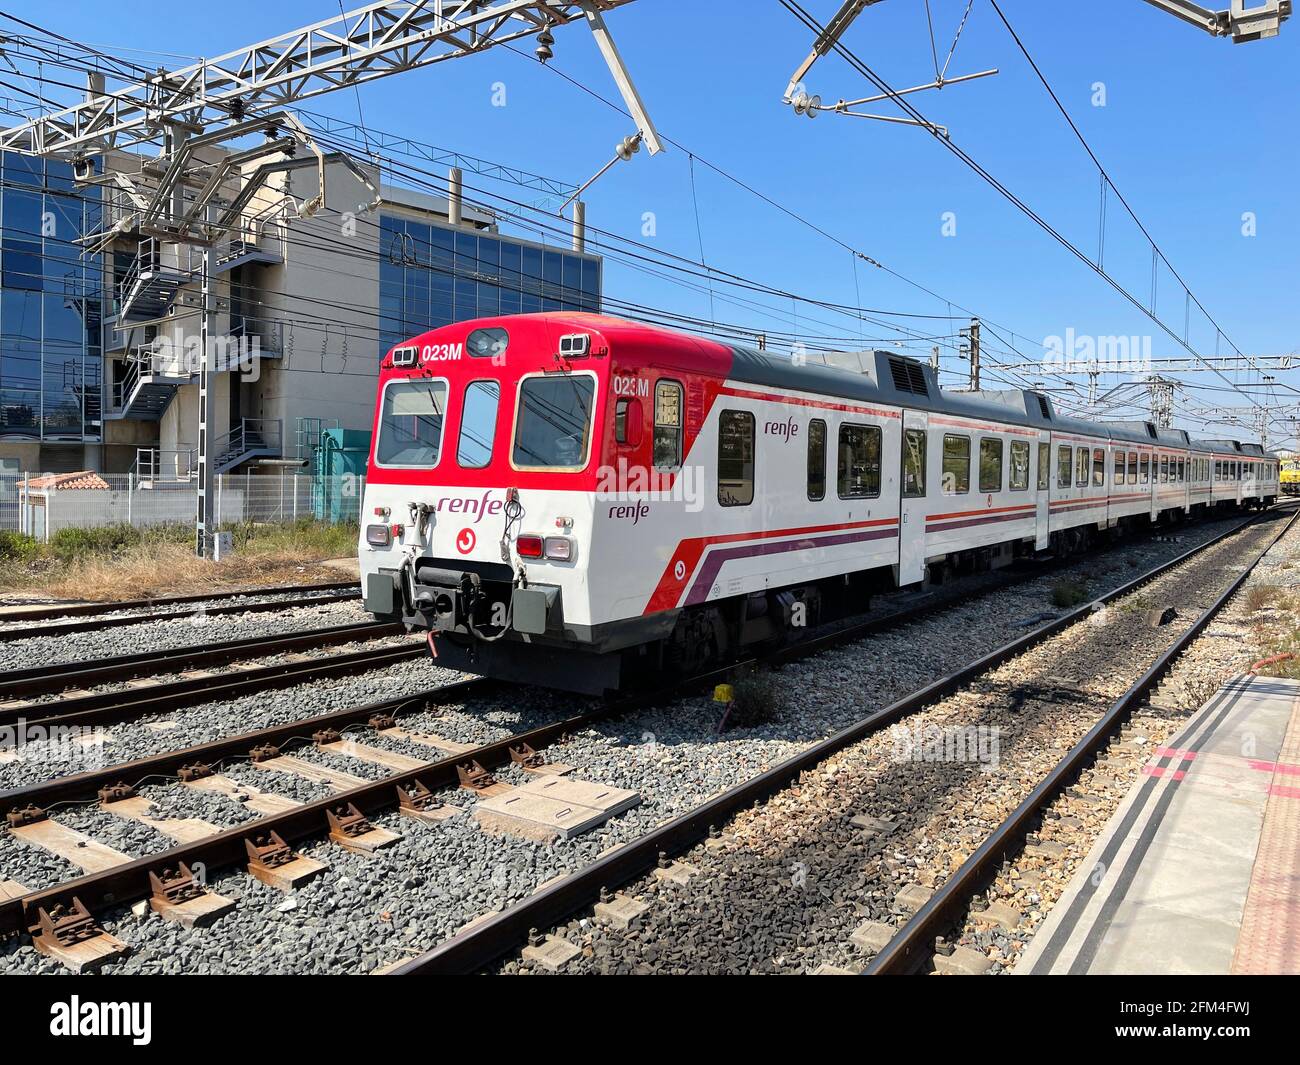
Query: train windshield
{"x": 410, "y": 427}
{"x": 554, "y": 422}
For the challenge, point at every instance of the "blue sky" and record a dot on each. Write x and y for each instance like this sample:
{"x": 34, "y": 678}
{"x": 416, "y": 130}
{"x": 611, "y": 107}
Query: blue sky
{"x": 1195, "y": 133}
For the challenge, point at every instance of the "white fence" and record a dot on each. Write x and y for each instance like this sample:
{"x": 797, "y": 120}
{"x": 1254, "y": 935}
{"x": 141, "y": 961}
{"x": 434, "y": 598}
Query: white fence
{"x": 238, "y": 499}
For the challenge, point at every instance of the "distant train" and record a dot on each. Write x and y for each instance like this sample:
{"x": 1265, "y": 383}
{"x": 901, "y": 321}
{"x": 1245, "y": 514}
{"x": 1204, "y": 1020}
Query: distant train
{"x": 584, "y": 502}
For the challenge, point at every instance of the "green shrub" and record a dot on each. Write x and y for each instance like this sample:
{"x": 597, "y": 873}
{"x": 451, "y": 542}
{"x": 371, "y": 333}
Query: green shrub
{"x": 1069, "y": 593}
{"x": 753, "y": 701}
{"x": 18, "y": 547}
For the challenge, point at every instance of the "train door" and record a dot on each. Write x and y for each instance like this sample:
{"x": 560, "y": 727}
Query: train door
{"x": 914, "y": 485}
{"x": 1044, "y": 471}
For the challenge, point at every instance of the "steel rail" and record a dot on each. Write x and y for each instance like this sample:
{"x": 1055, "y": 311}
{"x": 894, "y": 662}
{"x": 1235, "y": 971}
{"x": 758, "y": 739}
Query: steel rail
{"x": 129, "y": 881}
{"x": 477, "y": 947}
{"x": 84, "y": 787}
{"x": 41, "y": 680}
{"x": 68, "y": 610}
{"x": 25, "y": 632}
{"x": 914, "y": 943}
{"x": 117, "y": 707}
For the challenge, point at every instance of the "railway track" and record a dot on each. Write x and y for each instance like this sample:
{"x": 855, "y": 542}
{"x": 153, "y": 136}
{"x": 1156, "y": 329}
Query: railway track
{"x": 96, "y": 616}
{"x": 497, "y": 935}
{"x": 128, "y": 880}
{"x": 69, "y": 610}
{"x": 912, "y": 948}
{"x": 70, "y": 676}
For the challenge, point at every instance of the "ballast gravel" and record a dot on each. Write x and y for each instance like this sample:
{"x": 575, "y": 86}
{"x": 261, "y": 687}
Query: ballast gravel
{"x": 369, "y": 911}
{"x": 195, "y": 627}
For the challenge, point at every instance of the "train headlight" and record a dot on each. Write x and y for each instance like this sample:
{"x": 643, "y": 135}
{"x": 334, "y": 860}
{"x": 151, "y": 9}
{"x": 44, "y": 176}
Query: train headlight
{"x": 559, "y": 548}
{"x": 529, "y": 546}
{"x": 379, "y": 536}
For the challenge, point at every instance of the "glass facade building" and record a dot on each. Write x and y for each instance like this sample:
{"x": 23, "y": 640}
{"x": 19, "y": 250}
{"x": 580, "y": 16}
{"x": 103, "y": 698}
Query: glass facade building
{"x": 431, "y": 275}
{"x": 50, "y": 306}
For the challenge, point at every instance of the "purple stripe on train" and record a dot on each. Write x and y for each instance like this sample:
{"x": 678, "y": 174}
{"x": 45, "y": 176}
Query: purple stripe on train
{"x": 713, "y": 562}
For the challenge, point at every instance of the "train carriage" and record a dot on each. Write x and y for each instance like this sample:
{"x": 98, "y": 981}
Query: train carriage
{"x": 580, "y": 501}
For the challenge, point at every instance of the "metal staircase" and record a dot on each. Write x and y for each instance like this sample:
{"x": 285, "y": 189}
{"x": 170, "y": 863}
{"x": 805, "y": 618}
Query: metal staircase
{"x": 150, "y": 286}
{"x": 252, "y": 438}
{"x": 147, "y": 387}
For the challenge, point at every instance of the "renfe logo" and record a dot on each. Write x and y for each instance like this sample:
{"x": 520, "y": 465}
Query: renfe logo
{"x": 786, "y": 430}
{"x": 77, "y": 1018}
{"x": 465, "y": 541}
{"x": 476, "y": 507}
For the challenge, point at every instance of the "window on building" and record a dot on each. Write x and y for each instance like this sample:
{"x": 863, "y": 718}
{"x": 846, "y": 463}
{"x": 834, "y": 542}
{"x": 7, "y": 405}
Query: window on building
{"x": 478, "y": 424}
{"x": 668, "y": 425}
{"x": 859, "y": 461}
{"x": 816, "y": 459}
{"x": 553, "y": 426}
{"x": 736, "y": 458}
{"x": 1019, "y": 466}
{"x": 914, "y": 441}
{"x": 410, "y": 423}
{"x": 956, "y": 464}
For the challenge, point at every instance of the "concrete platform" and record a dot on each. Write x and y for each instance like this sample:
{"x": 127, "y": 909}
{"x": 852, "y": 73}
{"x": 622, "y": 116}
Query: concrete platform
{"x": 1198, "y": 871}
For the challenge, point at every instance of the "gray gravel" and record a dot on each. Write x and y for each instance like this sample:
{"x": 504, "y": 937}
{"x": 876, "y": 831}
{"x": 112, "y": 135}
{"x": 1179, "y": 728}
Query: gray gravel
{"x": 178, "y": 632}
{"x": 366, "y": 912}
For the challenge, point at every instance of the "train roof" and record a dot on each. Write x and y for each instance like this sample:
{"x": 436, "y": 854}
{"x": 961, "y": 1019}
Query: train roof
{"x": 880, "y": 376}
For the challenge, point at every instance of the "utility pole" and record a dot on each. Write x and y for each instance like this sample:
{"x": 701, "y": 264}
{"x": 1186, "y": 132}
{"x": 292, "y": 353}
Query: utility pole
{"x": 970, "y": 336}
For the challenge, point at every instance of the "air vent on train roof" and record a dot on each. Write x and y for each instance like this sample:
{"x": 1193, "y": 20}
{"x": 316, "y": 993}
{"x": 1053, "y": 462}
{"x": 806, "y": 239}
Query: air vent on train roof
{"x": 908, "y": 376}
{"x": 1044, "y": 406}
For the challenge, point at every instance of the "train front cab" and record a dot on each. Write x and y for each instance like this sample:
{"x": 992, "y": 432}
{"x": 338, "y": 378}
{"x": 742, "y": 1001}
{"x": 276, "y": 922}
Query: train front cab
{"x": 478, "y": 505}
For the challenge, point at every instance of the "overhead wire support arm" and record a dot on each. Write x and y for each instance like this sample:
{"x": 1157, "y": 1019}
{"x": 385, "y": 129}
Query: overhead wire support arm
{"x": 353, "y": 48}
{"x": 1263, "y": 18}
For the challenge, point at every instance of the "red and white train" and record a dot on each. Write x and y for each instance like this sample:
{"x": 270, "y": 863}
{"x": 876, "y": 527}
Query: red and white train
{"x": 581, "y": 501}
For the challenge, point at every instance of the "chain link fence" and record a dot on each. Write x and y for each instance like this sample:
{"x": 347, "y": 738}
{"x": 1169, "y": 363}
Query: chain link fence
{"x": 113, "y": 499}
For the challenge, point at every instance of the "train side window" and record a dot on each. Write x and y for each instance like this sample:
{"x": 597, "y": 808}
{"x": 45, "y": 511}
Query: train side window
{"x": 1182, "y": 469}
{"x": 1044, "y": 465}
{"x": 1099, "y": 467}
{"x": 735, "y": 458}
{"x": 668, "y": 425}
{"x": 1144, "y": 469}
{"x": 478, "y": 424}
{"x": 1119, "y": 467}
{"x": 1218, "y": 470}
{"x": 914, "y": 463}
{"x": 1132, "y": 467}
{"x": 1063, "y": 460}
{"x": 990, "y": 464}
{"x": 1081, "y": 467}
{"x": 627, "y": 422}
{"x": 1019, "y": 466}
{"x": 816, "y": 459}
{"x": 1164, "y": 469}
{"x": 859, "y": 461}
{"x": 956, "y": 464}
